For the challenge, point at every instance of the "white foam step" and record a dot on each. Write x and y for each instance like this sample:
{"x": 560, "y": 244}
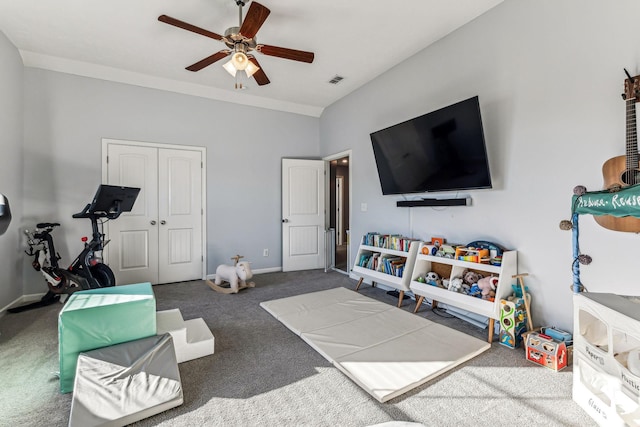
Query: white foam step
{"x": 171, "y": 321}
{"x": 191, "y": 338}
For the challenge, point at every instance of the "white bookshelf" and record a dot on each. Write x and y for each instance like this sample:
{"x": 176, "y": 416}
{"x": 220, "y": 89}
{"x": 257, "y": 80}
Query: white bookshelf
{"x": 375, "y": 275}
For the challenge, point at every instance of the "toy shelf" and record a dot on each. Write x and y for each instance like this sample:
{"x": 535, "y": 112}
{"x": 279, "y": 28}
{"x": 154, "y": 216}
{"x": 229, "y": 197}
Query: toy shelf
{"x": 449, "y": 268}
{"x": 376, "y": 275}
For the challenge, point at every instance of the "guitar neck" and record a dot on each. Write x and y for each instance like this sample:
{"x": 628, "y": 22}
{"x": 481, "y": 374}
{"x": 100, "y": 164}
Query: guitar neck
{"x": 632, "y": 135}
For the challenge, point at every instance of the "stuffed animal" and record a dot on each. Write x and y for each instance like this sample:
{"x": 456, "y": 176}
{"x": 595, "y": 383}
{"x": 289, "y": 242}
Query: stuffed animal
{"x": 432, "y": 278}
{"x": 237, "y": 275}
{"x": 488, "y": 287}
{"x": 455, "y": 284}
{"x": 475, "y": 291}
{"x": 470, "y": 277}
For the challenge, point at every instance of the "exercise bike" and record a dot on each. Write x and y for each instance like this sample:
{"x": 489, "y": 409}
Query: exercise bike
{"x": 87, "y": 271}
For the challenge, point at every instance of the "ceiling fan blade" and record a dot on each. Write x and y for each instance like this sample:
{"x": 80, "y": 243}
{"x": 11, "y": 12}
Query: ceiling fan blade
{"x": 283, "y": 52}
{"x": 256, "y": 15}
{"x": 260, "y": 77}
{"x": 185, "y": 26}
{"x": 208, "y": 60}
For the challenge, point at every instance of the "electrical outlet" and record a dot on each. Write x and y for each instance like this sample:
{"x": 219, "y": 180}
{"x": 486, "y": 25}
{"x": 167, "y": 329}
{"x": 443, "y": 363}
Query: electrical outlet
{"x": 265, "y": 252}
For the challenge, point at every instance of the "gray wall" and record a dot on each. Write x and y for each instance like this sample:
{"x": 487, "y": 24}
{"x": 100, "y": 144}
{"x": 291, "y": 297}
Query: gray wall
{"x": 549, "y": 76}
{"x": 67, "y": 116}
{"x": 11, "y": 168}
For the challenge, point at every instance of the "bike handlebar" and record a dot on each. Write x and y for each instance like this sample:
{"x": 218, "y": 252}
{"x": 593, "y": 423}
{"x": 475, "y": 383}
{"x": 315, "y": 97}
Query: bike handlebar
{"x": 114, "y": 212}
{"x": 82, "y": 214}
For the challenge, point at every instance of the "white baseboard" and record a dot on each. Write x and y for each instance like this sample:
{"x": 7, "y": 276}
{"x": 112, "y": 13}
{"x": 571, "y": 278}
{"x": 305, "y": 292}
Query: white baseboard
{"x": 24, "y": 299}
{"x": 258, "y": 271}
{"x": 267, "y": 270}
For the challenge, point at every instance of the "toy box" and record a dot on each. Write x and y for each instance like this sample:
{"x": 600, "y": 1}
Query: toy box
{"x": 606, "y": 371}
{"x": 545, "y": 351}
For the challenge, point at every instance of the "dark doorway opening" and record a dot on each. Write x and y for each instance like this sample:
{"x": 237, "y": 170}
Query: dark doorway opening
{"x": 339, "y": 210}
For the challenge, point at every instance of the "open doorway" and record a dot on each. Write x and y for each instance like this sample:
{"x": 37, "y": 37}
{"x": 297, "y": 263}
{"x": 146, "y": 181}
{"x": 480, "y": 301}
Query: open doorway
{"x": 339, "y": 210}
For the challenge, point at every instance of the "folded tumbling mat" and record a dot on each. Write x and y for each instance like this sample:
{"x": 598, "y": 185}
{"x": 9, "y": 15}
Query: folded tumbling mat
{"x": 385, "y": 350}
{"x": 124, "y": 383}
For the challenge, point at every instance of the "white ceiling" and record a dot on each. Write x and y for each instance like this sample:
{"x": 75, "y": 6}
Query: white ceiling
{"x": 122, "y": 40}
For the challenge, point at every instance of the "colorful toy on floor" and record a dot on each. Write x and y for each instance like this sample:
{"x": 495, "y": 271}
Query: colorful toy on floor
{"x": 545, "y": 351}
{"x": 513, "y": 321}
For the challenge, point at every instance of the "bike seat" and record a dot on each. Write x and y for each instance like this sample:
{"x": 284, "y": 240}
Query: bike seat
{"x": 47, "y": 225}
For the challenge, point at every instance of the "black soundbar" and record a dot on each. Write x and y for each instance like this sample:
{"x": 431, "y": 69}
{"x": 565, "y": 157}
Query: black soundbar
{"x": 434, "y": 202}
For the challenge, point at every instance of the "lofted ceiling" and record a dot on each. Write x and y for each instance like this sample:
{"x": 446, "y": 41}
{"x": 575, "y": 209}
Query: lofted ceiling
{"x": 122, "y": 40}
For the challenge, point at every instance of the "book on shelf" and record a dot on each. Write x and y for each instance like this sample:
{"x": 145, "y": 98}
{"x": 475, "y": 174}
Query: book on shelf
{"x": 392, "y": 265}
{"x": 369, "y": 260}
{"x": 388, "y": 241}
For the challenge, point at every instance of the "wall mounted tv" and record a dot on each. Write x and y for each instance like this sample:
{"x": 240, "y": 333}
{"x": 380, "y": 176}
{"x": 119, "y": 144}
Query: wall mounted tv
{"x": 443, "y": 150}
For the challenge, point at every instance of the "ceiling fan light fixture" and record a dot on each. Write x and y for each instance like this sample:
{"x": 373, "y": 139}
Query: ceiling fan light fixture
{"x": 251, "y": 69}
{"x": 240, "y": 60}
{"x": 230, "y": 68}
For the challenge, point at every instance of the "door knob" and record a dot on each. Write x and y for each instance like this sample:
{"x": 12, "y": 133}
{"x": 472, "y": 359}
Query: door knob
{"x": 285, "y": 220}
{"x": 163, "y": 222}
{"x": 153, "y": 222}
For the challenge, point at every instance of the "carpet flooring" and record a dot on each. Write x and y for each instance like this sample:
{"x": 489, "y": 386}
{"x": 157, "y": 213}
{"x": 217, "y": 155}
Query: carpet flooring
{"x": 264, "y": 375}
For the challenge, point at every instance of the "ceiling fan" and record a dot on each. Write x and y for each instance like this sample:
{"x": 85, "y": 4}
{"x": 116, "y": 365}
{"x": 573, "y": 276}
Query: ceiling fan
{"x": 240, "y": 41}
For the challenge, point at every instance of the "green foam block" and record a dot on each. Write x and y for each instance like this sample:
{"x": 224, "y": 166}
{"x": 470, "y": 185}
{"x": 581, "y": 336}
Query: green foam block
{"x": 102, "y": 317}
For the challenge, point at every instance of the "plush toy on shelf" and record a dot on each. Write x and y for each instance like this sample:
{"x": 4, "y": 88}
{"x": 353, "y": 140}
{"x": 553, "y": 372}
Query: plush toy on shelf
{"x": 488, "y": 287}
{"x": 471, "y": 277}
{"x": 475, "y": 291}
{"x": 432, "y": 278}
{"x": 455, "y": 284}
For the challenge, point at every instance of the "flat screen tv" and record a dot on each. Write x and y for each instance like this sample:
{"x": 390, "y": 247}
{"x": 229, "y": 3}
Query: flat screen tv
{"x": 443, "y": 150}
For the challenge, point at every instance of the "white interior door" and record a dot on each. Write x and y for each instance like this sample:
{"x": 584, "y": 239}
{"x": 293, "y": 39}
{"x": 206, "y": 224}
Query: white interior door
{"x": 303, "y": 214}
{"x": 161, "y": 240}
{"x": 132, "y": 251}
{"x": 180, "y": 215}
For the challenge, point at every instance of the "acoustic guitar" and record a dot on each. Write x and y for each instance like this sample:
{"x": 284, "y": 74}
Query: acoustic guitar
{"x": 623, "y": 171}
